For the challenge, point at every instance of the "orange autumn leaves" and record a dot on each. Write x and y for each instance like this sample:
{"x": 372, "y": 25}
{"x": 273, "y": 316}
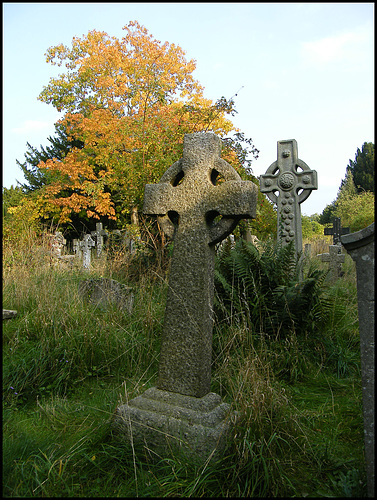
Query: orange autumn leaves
{"x": 130, "y": 102}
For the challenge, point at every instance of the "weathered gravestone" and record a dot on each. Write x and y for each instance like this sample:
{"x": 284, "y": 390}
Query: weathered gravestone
{"x": 99, "y": 233}
{"x": 9, "y": 313}
{"x": 335, "y": 260}
{"x": 103, "y": 292}
{"x": 57, "y": 244}
{"x": 360, "y": 246}
{"x": 181, "y": 413}
{"x": 76, "y": 248}
{"x": 288, "y": 182}
{"x": 85, "y": 246}
{"x": 336, "y": 231}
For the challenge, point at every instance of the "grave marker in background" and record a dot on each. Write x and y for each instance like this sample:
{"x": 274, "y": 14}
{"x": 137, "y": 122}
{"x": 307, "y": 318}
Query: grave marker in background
{"x": 85, "y": 246}
{"x": 335, "y": 260}
{"x": 336, "y": 231}
{"x": 99, "y": 233}
{"x": 103, "y": 292}
{"x": 57, "y": 244}
{"x": 288, "y": 182}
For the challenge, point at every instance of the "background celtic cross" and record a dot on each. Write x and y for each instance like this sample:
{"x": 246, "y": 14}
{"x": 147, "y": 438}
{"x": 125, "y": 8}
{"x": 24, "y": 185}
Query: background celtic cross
{"x": 200, "y": 211}
{"x": 336, "y": 231}
{"x": 288, "y": 182}
{"x": 99, "y": 233}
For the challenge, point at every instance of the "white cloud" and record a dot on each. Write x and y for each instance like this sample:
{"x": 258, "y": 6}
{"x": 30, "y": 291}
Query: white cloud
{"x": 31, "y": 126}
{"x": 334, "y": 48}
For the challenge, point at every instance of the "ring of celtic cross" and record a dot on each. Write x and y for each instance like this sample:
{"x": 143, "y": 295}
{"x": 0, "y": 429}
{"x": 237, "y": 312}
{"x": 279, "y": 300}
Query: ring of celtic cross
{"x": 218, "y": 231}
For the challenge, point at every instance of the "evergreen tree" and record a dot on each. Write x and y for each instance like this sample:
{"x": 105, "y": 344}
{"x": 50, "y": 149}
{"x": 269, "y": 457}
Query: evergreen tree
{"x": 328, "y": 213}
{"x": 362, "y": 168}
{"x": 347, "y": 186}
{"x": 59, "y": 147}
{"x": 359, "y": 178}
{"x": 11, "y": 197}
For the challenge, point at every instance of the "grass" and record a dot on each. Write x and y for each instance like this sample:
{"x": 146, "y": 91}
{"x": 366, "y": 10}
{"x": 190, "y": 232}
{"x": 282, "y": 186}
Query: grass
{"x": 67, "y": 365}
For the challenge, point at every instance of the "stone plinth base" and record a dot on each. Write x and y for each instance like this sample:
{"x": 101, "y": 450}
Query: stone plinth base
{"x": 166, "y": 424}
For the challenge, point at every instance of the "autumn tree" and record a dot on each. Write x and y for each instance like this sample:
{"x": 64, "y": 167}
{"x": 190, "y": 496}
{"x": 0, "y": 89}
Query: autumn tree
{"x": 129, "y": 102}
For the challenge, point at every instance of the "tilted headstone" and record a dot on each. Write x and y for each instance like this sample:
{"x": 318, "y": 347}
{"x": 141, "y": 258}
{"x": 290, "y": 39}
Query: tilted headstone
{"x": 335, "y": 260}
{"x": 336, "y": 231}
{"x": 85, "y": 246}
{"x": 360, "y": 246}
{"x": 99, "y": 233}
{"x": 288, "y": 187}
{"x": 103, "y": 292}
{"x": 181, "y": 411}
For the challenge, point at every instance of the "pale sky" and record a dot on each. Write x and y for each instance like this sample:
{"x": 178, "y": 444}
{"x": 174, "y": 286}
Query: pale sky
{"x": 302, "y": 71}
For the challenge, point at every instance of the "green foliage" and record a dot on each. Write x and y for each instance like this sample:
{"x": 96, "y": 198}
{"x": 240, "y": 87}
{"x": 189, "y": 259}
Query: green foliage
{"x": 362, "y": 168}
{"x": 265, "y": 223}
{"x": 11, "y": 198}
{"x": 79, "y": 341}
{"x": 264, "y": 286}
{"x": 328, "y": 214}
{"x": 359, "y": 180}
{"x": 347, "y": 186}
{"x": 67, "y": 365}
{"x": 301, "y": 322}
{"x": 59, "y": 147}
{"x": 310, "y": 227}
{"x": 357, "y": 211}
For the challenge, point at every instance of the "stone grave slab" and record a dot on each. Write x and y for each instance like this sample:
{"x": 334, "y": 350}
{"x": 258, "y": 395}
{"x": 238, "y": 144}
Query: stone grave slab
{"x": 9, "y": 313}
{"x": 104, "y": 292}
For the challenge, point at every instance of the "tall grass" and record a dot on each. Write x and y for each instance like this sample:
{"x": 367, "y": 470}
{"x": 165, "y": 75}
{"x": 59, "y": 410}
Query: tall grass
{"x": 67, "y": 365}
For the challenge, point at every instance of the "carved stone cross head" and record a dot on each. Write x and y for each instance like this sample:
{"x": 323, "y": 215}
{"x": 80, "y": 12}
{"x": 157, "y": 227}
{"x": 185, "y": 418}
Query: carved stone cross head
{"x": 198, "y": 189}
{"x": 288, "y": 182}
{"x": 288, "y": 174}
{"x": 87, "y": 243}
{"x": 336, "y": 231}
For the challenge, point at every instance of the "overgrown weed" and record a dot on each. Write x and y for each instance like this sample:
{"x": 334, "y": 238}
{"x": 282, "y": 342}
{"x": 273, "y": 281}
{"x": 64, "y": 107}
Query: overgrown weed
{"x": 68, "y": 365}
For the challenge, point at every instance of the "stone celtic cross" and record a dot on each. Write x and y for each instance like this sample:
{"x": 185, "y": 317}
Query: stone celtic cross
{"x": 99, "y": 233}
{"x": 336, "y": 231}
{"x": 200, "y": 199}
{"x": 288, "y": 182}
{"x": 335, "y": 260}
{"x": 85, "y": 246}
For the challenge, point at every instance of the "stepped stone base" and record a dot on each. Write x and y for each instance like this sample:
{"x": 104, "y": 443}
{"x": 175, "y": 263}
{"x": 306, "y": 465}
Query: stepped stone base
{"x": 166, "y": 424}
